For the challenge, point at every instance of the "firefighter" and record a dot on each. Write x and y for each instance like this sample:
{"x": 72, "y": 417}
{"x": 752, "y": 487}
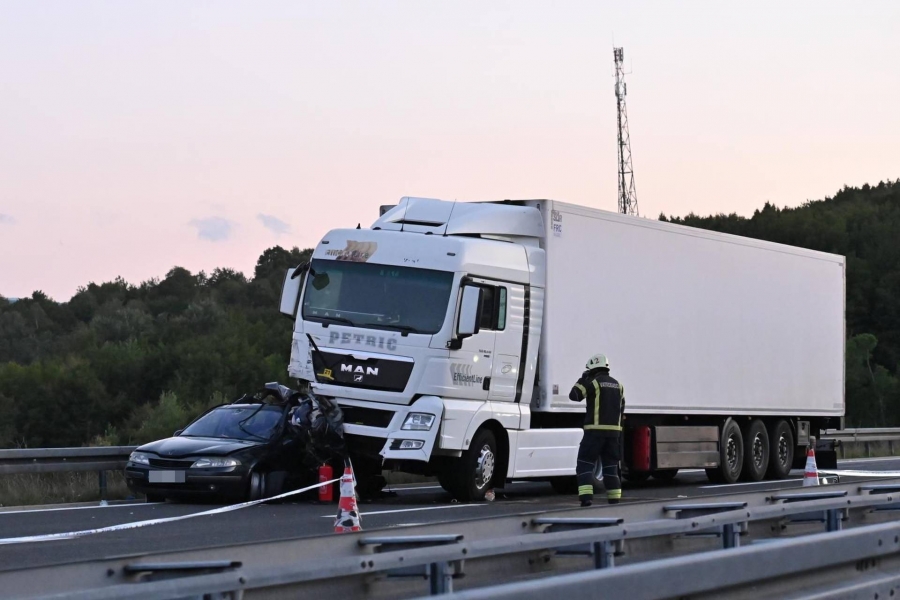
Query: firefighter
{"x": 602, "y": 429}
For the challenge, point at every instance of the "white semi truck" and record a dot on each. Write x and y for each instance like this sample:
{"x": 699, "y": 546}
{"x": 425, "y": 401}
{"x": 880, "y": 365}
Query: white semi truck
{"x": 451, "y": 334}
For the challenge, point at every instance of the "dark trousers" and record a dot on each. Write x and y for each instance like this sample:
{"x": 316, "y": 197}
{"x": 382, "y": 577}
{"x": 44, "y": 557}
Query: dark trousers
{"x": 604, "y": 445}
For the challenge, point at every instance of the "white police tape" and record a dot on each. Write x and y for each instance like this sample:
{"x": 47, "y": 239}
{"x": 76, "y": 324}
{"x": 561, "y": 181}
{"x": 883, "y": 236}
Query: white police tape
{"x": 77, "y": 534}
{"x": 850, "y": 473}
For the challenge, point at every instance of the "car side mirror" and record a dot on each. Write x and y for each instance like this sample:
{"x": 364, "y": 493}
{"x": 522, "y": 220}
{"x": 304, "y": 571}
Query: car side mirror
{"x": 290, "y": 290}
{"x": 469, "y": 312}
{"x": 177, "y": 433}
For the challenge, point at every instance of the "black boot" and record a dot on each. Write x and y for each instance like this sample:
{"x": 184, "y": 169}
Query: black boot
{"x": 586, "y": 500}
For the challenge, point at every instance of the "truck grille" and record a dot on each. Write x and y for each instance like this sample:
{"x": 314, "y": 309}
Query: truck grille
{"x": 164, "y": 463}
{"x": 371, "y": 417}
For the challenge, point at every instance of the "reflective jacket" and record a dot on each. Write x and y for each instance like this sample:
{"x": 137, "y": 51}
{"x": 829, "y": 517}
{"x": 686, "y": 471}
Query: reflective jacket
{"x": 605, "y": 400}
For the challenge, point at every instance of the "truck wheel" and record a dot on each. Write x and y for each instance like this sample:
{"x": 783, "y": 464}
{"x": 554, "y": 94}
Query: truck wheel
{"x": 756, "y": 451}
{"x": 731, "y": 455}
{"x": 470, "y": 477}
{"x": 664, "y": 474}
{"x": 781, "y": 450}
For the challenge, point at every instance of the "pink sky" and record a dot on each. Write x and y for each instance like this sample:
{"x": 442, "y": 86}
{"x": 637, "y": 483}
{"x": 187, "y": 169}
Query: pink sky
{"x": 135, "y": 136}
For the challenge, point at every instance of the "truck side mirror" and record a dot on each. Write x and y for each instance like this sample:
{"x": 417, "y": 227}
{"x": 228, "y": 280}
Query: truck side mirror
{"x": 290, "y": 291}
{"x": 469, "y": 312}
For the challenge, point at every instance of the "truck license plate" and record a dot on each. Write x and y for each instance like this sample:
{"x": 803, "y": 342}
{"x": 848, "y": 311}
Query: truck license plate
{"x": 166, "y": 476}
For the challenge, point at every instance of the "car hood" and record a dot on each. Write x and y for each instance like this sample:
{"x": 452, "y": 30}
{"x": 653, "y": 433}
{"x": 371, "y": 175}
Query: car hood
{"x": 192, "y": 446}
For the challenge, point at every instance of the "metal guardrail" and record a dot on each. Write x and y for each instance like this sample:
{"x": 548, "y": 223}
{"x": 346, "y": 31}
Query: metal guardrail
{"x": 520, "y": 547}
{"x": 53, "y": 460}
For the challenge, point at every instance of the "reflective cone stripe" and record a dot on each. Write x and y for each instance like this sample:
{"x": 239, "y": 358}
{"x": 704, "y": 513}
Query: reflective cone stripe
{"x": 811, "y": 475}
{"x": 347, "y": 518}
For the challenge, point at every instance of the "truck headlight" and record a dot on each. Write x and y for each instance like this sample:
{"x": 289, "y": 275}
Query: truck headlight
{"x": 139, "y": 458}
{"x": 418, "y": 422}
{"x": 211, "y": 463}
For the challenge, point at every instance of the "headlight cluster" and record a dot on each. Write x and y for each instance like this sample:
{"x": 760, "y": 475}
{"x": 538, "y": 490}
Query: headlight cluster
{"x": 418, "y": 422}
{"x": 139, "y": 458}
{"x": 210, "y": 463}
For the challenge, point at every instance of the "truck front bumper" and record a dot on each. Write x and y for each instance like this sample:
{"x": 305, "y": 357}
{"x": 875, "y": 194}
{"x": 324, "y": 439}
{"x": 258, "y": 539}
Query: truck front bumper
{"x": 366, "y": 430}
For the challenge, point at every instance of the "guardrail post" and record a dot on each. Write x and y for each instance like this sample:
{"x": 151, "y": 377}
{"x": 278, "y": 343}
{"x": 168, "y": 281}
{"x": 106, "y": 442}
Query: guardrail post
{"x": 833, "y": 521}
{"x": 101, "y": 476}
{"x": 440, "y": 578}
{"x": 604, "y": 554}
{"x": 731, "y": 536}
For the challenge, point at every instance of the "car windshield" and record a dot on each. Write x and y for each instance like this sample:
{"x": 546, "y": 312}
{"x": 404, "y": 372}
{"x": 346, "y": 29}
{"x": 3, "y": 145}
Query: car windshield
{"x": 381, "y": 296}
{"x": 240, "y": 422}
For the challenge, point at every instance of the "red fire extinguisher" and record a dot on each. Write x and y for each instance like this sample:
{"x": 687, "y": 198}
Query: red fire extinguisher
{"x": 326, "y": 492}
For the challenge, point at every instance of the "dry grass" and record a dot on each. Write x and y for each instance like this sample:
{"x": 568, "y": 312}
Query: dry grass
{"x": 59, "y": 488}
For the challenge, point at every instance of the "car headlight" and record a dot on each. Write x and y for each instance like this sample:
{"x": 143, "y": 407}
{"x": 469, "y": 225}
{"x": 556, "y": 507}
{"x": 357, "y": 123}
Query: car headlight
{"x": 418, "y": 422}
{"x": 210, "y": 463}
{"x": 139, "y": 458}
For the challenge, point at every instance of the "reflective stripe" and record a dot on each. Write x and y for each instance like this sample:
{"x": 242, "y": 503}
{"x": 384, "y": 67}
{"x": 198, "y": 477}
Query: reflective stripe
{"x": 588, "y": 490}
{"x": 614, "y": 494}
{"x": 621, "y": 402}
{"x": 604, "y": 427}
{"x": 583, "y": 391}
{"x": 596, "y": 402}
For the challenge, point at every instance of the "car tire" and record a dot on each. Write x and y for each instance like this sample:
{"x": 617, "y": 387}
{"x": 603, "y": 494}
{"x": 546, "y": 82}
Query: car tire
{"x": 756, "y": 451}
{"x": 155, "y": 498}
{"x": 468, "y": 478}
{"x": 781, "y": 450}
{"x": 257, "y": 486}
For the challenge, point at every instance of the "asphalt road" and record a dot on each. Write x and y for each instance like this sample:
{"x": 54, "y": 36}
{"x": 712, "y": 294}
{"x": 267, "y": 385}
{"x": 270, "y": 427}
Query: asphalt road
{"x": 406, "y": 505}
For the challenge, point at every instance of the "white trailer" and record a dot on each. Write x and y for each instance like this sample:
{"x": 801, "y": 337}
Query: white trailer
{"x": 451, "y": 334}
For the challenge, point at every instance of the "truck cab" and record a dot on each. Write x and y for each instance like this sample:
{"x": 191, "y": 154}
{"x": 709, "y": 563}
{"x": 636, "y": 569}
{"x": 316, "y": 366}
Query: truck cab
{"x": 422, "y": 328}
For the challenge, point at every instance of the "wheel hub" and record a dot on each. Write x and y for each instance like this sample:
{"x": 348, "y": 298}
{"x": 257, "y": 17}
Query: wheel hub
{"x": 731, "y": 453}
{"x": 484, "y": 467}
{"x": 782, "y": 450}
{"x": 758, "y": 451}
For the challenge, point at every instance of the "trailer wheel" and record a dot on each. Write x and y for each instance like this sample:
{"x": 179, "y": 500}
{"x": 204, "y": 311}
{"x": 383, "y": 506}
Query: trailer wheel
{"x": 731, "y": 455}
{"x": 756, "y": 451}
{"x": 468, "y": 478}
{"x": 781, "y": 450}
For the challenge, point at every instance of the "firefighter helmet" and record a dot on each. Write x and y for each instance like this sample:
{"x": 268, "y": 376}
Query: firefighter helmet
{"x": 597, "y": 361}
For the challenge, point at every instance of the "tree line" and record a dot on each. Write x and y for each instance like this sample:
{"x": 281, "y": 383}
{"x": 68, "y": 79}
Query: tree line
{"x": 125, "y": 364}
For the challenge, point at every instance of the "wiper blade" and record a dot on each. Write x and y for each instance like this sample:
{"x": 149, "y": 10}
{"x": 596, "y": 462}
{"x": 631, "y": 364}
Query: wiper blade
{"x": 343, "y": 320}
{"x": 403, "y": 328}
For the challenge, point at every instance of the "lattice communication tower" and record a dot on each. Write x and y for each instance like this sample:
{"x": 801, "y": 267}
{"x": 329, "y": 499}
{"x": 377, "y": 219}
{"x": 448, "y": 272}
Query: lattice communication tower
{"x": 627, "y": 195}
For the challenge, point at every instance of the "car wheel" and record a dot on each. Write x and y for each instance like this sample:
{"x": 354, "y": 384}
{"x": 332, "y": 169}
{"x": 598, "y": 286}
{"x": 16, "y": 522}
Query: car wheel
{"x": 475, "y": 472}
{"x": 257, "y": 487}
{"x": 155, "y": 498}
{"x": 756, "y": 451}
{"x": 781, "y": 450}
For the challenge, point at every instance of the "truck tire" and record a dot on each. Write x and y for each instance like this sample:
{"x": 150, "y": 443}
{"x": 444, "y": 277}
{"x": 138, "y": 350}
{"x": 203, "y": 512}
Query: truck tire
{"x": 756, "y": 451}
{"x": 731, "y": 455}
{"x": 781, "y": 450}
{"x": 469, "y": 477}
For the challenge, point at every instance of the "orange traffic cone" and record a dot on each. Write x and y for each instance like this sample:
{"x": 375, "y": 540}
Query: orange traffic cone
{"x": 811, "y": 476}
{"x": 347, "y": 518}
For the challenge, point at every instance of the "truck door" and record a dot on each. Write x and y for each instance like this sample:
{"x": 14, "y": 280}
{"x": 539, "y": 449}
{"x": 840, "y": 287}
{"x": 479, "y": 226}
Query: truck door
{"x": 509, "y": 307}
{"x": 471, "y": 365}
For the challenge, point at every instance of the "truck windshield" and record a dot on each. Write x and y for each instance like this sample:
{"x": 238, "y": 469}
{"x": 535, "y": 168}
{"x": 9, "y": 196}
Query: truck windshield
{"x": 381, "y": 296}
